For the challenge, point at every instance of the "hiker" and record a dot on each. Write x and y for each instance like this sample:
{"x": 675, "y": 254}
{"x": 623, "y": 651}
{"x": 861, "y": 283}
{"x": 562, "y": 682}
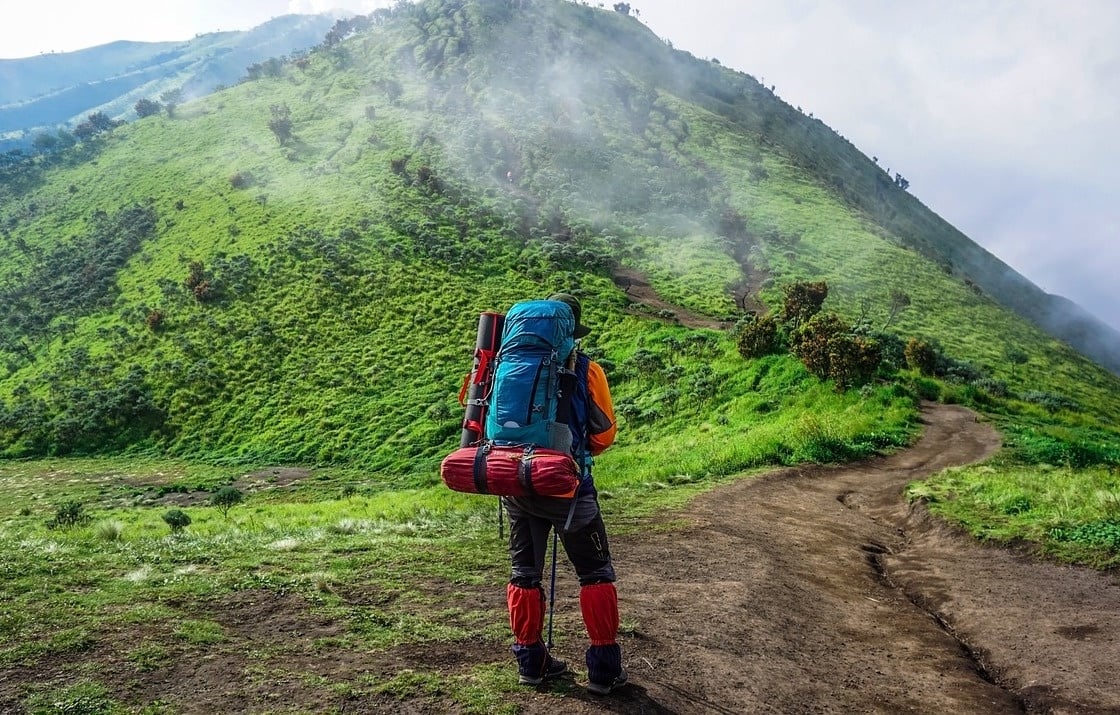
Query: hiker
{"x": 580, "y": 527}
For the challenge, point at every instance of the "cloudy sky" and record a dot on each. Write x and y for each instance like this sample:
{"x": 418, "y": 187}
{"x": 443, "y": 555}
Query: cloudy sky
{"x": 1004, "y": 115}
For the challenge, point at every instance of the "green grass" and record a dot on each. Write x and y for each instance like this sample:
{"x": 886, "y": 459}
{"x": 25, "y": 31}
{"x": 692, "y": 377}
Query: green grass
{"x": 1072, "y": 514}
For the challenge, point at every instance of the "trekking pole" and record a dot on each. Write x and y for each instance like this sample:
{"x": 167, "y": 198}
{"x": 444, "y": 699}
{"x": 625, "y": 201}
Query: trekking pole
{"x": 552, "y": 588}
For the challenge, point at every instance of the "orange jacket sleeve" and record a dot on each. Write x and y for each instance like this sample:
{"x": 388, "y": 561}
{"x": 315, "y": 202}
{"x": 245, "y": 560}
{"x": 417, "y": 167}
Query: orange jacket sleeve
{"x": 601, "y": 425}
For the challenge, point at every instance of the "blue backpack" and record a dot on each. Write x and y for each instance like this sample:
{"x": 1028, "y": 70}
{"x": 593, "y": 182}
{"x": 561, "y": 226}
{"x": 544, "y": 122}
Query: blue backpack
{"x": 538, "y": 338}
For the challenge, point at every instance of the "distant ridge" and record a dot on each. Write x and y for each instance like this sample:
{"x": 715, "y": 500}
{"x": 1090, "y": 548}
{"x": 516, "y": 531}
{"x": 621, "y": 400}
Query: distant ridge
{"x": 42, "y": 92}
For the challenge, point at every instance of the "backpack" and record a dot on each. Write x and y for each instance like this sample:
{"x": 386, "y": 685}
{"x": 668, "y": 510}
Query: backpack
{"x": 525, "y": 405}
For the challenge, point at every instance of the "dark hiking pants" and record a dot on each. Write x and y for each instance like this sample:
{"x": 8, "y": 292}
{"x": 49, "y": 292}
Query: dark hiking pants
{"x": 585, "y": 541}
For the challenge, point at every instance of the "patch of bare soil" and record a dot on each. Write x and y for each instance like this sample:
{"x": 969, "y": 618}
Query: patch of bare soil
{"x": 649, "y": 304}
{"x": 276, "y": 654}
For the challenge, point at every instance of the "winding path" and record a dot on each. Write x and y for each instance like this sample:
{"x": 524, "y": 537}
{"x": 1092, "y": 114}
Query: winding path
{"x": 818, "y": 590}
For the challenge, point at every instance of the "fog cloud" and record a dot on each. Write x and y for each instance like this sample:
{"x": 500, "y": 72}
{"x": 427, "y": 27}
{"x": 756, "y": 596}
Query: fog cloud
{"x": 1002, "y": 115}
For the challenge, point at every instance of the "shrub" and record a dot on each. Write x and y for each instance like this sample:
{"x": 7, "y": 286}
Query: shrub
{"x": 961, "y": 371}
{"x": 70, "y": 514}
{"x": 802, "y": 302}
{"x": 146, "y": 108}
{"x": 992, "y": 386}
{"x": 155, "y": 320}
{"x": 828, "y": 349}
{"x": 110, "y": 530}
{"x": 892, "y": 351}
{"x": 226, "y": 498}
{"x": 177, "y": 519}
{"x": 925, "y": 388}
{"x": 855, "y": 360}
{"x": 1051, "y": 401}
{"x": 241, "y": 180}
{"x": 921, "y": 356}
{"x": 758, "y": 338}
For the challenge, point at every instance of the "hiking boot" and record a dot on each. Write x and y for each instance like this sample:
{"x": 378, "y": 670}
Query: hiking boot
{"x": 555, "y": 667}
{"x": 606, "y": 688}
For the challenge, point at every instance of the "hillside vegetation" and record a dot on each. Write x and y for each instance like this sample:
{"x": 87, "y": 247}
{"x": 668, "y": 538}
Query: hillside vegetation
{"x": 272, "y": 296}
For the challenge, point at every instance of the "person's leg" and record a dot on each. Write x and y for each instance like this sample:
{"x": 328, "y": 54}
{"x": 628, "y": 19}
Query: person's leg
{"x": 525, "y": 598}
{"x": 589, "y": 551}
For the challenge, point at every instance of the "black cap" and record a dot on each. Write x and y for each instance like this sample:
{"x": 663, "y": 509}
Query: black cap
{"x": 573, "y": 303}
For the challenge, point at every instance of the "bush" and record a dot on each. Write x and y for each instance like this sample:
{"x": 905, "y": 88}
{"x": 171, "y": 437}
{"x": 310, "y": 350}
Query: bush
{"x": 1051, "y": 401}
{"x": 70, "y": 514}
{"x": 921, "y": 356}
{"x": 925, "y": 388}
{"x": 961, "y": 371}
{"x": 892, "y": 351}
{"x": 758, "y": 338}
{"x": 177, "y": 519}
{"x": 241, "y": 180}
{"x": 992, "y": 386}
{"x": 155, "y": 320}
{"x": 146, "y": 108}
{"x": 827, "y": 348}
{"x": 802, "y": 302}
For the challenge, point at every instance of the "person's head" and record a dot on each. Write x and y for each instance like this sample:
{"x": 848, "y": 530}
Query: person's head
{"x": 577, "y": 310}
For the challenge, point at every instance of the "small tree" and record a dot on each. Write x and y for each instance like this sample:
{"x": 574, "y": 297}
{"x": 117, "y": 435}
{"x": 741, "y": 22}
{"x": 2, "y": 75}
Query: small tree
{"x": 281, "y": 122}
{"x": 177, "y": 519}
{"x": 829, "y": 350}
{"x": 93, "y": 125}
{"x": 45, "y": 143}
{"x": 146, "y": 108}
{"x": 70, "y": 514}
{"x": 1016, "y": 357}
{"x": 171, "y": 99}
{"x": 226, "y": 498}
{"x": 393, "y": 90}
{"x": 900, "y": 301}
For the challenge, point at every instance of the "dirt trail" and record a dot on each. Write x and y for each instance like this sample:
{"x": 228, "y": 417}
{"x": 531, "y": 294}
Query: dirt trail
{"x": 818, "y": 591}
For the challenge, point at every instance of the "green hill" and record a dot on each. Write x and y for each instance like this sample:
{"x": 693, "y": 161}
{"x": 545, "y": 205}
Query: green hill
{"x": 289, "y": 271}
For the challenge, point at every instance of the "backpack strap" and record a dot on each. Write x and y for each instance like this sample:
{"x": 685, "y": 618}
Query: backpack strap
{"x": 525, "y": 471}
{"x": 480, "y": 455}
